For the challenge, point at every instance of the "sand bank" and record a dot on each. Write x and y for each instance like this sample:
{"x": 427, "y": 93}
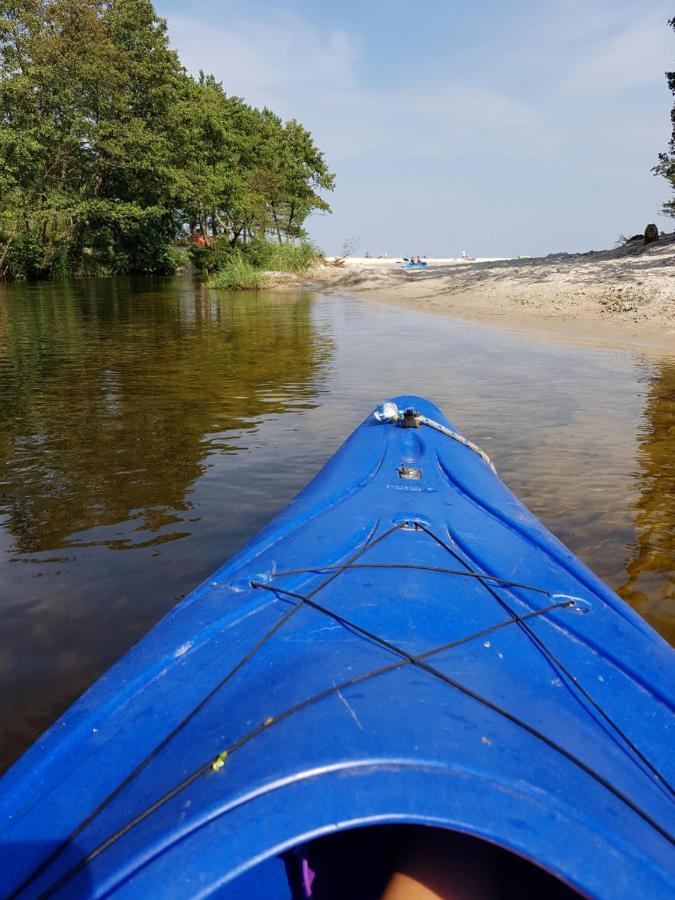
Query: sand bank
{"x": 626, "y": 295}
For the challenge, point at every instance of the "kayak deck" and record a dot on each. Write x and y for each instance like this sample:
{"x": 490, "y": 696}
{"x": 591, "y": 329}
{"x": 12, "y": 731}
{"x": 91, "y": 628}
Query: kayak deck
{"x": 404, "y": 643}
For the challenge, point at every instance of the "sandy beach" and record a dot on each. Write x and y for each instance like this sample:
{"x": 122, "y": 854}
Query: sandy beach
{"x": 626, "y": 294}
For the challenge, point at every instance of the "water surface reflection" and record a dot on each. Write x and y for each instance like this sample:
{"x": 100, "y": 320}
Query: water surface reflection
{"x": 115, "y": 399}
{"x": 648, "y": 586}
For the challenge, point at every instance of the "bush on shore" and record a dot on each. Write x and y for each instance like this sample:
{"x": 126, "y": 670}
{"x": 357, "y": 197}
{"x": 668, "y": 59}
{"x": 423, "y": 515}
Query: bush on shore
{"x": 265, "y": 255}
{"x": 244, "y": 268}
{"x": 111, "y": 153}
{"x": 237, "y": 274}
{"x": 287, "y": 257}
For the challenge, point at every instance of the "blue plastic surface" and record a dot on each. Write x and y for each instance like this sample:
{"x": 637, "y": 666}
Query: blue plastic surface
{"x": 401, "y": 747}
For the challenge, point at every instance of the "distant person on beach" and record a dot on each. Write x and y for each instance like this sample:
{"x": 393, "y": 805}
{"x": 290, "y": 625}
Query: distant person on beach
{"x": 465, "y": 254}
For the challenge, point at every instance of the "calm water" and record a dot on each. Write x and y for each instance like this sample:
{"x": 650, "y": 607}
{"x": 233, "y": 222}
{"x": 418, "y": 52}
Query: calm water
{"x": 147, "y": 430}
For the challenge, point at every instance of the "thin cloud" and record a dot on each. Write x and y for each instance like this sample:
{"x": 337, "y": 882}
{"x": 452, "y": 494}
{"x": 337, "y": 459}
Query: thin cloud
{"x": 265, "y": 61}
{"x": 534, "y": 132}
{"x": 312, "y": 74}
{"x": 634, "y": 57}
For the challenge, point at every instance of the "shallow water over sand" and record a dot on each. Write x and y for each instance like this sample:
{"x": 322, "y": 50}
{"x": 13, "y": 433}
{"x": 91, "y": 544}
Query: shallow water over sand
{"x": 148, "y": 429}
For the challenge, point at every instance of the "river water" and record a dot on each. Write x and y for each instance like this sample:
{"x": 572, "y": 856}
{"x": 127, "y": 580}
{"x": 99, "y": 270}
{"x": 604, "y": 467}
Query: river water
{"x": 149, "y": 428}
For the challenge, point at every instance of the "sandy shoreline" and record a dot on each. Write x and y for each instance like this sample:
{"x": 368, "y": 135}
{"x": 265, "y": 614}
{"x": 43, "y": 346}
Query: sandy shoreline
{"x": 623, "y": 296}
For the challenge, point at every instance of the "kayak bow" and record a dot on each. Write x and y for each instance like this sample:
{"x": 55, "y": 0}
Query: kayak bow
{"x": 404, "y": 643}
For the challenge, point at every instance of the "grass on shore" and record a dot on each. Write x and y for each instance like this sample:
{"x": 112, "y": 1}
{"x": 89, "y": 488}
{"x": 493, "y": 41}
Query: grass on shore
{"x": 245, "y": 270}
{"x": 238, "y": 274}
{"x": 297, "y": 258}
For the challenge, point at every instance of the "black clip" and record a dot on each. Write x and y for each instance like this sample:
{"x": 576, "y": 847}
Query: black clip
{"x": 411, "y": 418}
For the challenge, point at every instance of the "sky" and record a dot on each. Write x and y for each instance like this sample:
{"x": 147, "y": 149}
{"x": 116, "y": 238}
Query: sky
{"x": 499, "y": 128}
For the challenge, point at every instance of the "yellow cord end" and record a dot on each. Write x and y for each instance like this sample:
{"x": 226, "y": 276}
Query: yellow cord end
{"x": 219, "y": 761}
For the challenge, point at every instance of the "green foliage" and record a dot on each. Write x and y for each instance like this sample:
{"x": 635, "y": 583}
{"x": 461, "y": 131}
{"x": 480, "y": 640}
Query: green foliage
{"x": 296, "y": 258}
{"x": 180, "y": 257}
{"x": 26, "y": 257}
{"x": 666, "y": 164}
{"x": 212, "y": 258}
{"x": 110, "y": 151}
{"x": 263, "y": 255}
{"x": 238, "y": 274}
{"x": 248, "y": 176}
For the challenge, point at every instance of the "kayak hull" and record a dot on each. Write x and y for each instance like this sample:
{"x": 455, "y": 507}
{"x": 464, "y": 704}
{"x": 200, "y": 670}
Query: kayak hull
{"x": 524, "y": 734}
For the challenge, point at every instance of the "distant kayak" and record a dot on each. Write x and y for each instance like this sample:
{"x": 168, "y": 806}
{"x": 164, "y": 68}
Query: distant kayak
{"x": 409, "y": 265}
{"x": 404, "y": 645}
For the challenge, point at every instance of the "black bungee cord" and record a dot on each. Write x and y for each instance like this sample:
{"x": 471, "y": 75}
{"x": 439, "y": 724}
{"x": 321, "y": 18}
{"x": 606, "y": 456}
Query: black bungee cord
{"x": 108, "y": 799}
{"x": 214, "y": 764}
{"x": 405, "y": 659}
{"x": 556, "y": 661}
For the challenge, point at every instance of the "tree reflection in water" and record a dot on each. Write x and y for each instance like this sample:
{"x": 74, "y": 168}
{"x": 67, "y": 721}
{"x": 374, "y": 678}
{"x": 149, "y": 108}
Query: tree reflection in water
{"x": 117, "y": 399}
{"x": 112, "y": 404}
{"x": 650, "y": 586}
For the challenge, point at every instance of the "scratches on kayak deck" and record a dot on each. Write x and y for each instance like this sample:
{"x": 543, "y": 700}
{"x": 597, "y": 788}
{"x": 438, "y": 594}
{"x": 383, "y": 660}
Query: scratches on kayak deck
{"x": 349, "y": 708}
{"x": 324, "y": 632}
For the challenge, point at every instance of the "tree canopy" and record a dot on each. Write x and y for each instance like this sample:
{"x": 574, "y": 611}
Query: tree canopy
{"x": 666, "y": 164}
{"x": 110, "y": 150}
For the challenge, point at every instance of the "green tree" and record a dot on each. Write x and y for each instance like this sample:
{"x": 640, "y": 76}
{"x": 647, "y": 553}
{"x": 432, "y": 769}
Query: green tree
{"x": 290, "y": 173}
{"x": 109, "y": 150}
{"x": 666, "y": 164}
{"x": 86, "y": 91}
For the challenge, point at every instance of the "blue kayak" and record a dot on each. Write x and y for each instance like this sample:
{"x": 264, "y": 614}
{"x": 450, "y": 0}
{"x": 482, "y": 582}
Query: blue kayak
{"x": 405, "y": 648}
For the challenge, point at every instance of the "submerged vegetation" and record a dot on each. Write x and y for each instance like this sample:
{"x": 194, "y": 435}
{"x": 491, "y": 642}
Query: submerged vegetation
{"x": 114, "y": 159}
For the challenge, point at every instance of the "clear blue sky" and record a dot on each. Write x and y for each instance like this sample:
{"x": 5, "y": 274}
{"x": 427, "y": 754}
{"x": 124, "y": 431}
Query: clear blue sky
{"x": 501, "y": 128}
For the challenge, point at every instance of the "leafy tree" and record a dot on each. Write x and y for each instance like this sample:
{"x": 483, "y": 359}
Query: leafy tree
{"x": 109, "y": 150}
{"x": 86, "y": 87}
{"x": 666, "y": 165}
{"x": 249, "y": 176}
